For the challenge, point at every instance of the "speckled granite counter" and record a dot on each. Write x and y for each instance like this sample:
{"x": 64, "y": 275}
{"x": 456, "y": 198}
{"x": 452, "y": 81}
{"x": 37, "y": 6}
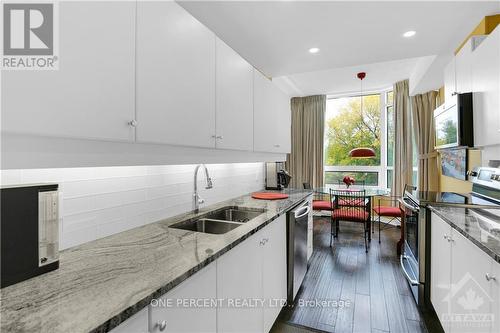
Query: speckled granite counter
{"x": 102, "y": 283}
{"x": 466, "y": 222}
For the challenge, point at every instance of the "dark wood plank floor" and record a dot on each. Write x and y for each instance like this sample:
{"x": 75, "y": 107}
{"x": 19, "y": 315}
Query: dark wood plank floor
{"x": 374, "y": 292}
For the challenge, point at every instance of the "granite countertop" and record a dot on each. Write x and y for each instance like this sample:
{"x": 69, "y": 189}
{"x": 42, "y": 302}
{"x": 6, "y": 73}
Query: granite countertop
{"x": 102, "y": 283}
{"x": 466, "y": 222}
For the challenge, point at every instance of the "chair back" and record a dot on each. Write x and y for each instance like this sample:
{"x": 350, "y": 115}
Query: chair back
{"x": 307, "y": 186}
{"x": 352, "y": 203}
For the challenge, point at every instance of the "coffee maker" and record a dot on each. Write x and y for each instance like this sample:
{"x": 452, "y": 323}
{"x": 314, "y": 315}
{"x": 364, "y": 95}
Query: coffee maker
{"x": 277, "y": 178}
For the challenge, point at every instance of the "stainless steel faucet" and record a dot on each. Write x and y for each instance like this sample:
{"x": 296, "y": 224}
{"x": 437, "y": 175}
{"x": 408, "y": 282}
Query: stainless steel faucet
{"x": 196, "y": 198}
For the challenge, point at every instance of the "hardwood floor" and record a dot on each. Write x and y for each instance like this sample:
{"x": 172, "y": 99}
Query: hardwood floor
{"x": 369, "y": 289}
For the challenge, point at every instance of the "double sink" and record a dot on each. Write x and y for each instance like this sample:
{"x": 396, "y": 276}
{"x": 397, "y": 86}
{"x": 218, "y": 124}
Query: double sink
{"x": 221, "y": 220}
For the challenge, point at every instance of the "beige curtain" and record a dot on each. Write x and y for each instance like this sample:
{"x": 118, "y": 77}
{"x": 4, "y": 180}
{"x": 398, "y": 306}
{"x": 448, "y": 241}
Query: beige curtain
{"x": 403, "y": 168}
{"x": 305, "y": 163}
{"x": 423, "y": 125}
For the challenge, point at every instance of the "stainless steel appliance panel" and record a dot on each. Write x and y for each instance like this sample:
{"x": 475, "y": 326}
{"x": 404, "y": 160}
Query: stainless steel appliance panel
{"x": 297, "y": 247}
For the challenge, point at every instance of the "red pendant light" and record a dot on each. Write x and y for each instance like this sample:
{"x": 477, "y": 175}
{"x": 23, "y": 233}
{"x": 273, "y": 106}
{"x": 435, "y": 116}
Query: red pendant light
{"x": 362, "y": 152}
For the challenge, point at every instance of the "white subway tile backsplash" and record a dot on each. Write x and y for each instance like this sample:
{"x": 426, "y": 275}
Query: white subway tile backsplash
{"x": 98, "y": 202}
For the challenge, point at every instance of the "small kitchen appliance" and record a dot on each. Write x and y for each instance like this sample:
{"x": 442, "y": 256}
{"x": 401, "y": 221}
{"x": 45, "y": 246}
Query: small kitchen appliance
{"x": 277, "y": 178}
{"x": 453, "y": 123}
{"x": 29, "y": 231}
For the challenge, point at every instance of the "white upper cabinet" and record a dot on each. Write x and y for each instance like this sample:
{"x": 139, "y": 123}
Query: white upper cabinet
{"x": 234, "y": 99}
{"x": 92, "y": 95}
{"x": 264, "y": 119}
{"x": 272, "y": 117}
{"x": 175, "y": 77}
{"x": 463, "y": 64}
{"x": 463, "y": 68}
{"x": 486, "y": 90}
{"x": 450, "y": 85}
{"x": 284, "y": 123}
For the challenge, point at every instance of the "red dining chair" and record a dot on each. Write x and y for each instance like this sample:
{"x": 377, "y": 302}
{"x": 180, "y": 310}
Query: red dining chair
{"x": 359, "y": 185}
{"x": 318, "y": 204}
{"x": 346, "y": 207}
{"x": 393, "y": 212}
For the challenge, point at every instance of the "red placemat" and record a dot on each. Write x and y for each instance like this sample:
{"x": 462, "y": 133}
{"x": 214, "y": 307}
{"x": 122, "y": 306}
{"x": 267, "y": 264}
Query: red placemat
{"x": 269, "y": 196}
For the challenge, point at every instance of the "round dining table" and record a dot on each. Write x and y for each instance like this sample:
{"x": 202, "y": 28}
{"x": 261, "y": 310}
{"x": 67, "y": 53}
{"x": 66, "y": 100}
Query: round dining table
{"x": 370, "y": 192}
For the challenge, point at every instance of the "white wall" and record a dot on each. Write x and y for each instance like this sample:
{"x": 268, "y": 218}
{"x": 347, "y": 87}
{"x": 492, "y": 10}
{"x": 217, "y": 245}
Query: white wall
{"x": 98, "y": 202}
{"x": 490, "y": 153}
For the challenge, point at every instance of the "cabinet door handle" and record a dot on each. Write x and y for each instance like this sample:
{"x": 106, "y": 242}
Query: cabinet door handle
{"x": 161, "y": 325}
{"x": 490, "y": 277}
{"x": 132, "y": 123}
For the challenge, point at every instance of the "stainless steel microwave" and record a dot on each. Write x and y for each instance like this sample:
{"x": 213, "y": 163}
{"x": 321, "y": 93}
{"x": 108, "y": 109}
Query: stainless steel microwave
{"x": 453, "y": 124}
{"x": 29, "y": 222}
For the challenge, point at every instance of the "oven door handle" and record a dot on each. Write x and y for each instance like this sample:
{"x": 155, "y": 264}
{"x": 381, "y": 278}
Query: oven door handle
{"x": 407, "y": 205}
{"x": 412, "y": 281}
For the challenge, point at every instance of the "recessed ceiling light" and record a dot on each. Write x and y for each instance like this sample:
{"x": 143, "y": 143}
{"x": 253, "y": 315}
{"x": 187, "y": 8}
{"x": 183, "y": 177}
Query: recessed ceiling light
{"x": 313, "y": 50}
{"x": 409, "y": 33}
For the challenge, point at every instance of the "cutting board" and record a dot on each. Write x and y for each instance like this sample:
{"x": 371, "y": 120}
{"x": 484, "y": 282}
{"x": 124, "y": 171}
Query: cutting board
{"x": 269, "y": 196}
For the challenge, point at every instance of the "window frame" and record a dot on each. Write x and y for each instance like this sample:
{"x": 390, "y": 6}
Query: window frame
{"x": 382, "y": 168}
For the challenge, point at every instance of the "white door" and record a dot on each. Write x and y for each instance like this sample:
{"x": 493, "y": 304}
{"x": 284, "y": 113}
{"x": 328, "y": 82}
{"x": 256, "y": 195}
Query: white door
{"x": 486, "y": 90}
{"x": 181, "y": 316}
{"x": 449, "y": 83}
{"x": 440, "y": 267}
{"x": 175, "y": 76}
{"x": 234, "y": 99}
{"x": 92, "y": 95}
{"x": 274, "y": 270}
{"x": 239, "y": 277}
{"x": 470, "y": 290}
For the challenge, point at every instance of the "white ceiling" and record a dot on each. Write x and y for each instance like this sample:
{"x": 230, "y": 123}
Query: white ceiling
{"x": 275, "y": 36}
{"x": 344, "y": 80}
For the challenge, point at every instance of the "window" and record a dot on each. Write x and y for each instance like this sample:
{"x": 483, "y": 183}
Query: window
{"x": 347, "y": 127}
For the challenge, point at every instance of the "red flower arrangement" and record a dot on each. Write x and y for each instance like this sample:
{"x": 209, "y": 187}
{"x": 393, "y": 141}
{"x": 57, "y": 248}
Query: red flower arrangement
{"x": 348, "y": 181}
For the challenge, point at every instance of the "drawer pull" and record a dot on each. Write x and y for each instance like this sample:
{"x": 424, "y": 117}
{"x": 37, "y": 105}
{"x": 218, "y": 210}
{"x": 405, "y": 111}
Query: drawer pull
{"x": 490, "y": 277}
{"x": 162, "y": 325}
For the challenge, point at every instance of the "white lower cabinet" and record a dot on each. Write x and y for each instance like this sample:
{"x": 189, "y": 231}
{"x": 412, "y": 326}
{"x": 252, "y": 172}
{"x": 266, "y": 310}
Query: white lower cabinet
{"x": 274, "y": 266}
{"x": 174, "y": 311}
{"x": 138, "y": 323}
{"x": 440, "y": 266}
{"x": 464, "y": 282}
{"x": 254, "y": 270}
{"x": 243, "y": 291}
